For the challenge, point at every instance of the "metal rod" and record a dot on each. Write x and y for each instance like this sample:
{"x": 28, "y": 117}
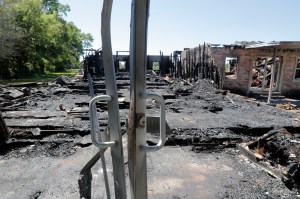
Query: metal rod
{"x": 113, "y": 107}
{"x": 95, "y": 127}
{"x": 105, "y": 176}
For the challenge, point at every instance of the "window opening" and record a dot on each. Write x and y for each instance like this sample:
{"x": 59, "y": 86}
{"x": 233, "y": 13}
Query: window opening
{"x": 155, "y": 65}
{"x": 231, "y": 67}
{"x": 297, "y": 70}
{"x": 122, "y": 65}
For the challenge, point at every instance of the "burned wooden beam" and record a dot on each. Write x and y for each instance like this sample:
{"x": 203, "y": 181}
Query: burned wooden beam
{"x": 37, "y": 133}
{"x": 14, "y": 94}
{"x": 4, "y": 134}
{"x": 24, "y": 84}
{"x": 50, "y": 123}
{"x": 38, "y": 114}
{"x": 277, "y": 152}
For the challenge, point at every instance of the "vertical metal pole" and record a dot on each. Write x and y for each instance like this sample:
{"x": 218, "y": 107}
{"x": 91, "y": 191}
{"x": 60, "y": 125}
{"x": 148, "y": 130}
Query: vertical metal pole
{"x": 113, "y": 105}
{"x": 272, "y": 77}
{"x": 137, "y": 122}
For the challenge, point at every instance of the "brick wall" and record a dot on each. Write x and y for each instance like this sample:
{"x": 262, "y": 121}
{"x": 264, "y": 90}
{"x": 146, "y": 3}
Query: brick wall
{"x": 241, "y": 85}
{"x": 289, "y": 86}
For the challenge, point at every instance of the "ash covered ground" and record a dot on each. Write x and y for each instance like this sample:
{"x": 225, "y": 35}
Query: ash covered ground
{"x": 50, "y": 142}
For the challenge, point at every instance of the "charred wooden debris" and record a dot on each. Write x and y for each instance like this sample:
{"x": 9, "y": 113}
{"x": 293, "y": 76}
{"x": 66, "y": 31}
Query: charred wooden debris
{"x": 190, "y": 64}
{"x": 4, "y": 134}
{"x": 261, "y": 73}
{"x": 55, "y": 115}
{"x": 277, "y": 152}
{"x": 52, "y": 119}
{"x": 195, "y": 63}
{"x": 92, "y": 63}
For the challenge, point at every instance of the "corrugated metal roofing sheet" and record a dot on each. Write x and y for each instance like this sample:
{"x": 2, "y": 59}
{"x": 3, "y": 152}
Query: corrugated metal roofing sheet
{"x": 276, "y": 44}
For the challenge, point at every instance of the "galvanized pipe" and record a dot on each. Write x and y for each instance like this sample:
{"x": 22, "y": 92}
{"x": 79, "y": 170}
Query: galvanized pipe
{"x": 136, "y": 129}
{"x": 113, "y": 106}
{"x": 95, "y": 132}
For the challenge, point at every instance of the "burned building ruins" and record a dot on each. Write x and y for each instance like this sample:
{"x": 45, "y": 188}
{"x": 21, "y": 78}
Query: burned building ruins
{"x": 218, "y": 144}
{"x": 245, "y": 67}
{"x": 161, "y": 64}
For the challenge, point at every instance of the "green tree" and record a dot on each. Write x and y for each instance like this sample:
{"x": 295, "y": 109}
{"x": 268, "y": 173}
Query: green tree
{"x": 53, "y": 6}
{"x": 45, "y": 40}
{"x": 87, "y": 40}
{"x": 11, "y": 38}
{"x": 8, "y": 33}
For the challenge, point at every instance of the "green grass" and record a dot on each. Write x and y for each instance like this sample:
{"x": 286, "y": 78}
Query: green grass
{"x": 48, "y": 76}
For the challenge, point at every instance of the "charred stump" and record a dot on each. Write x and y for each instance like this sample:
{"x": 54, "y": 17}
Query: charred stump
{"x": 3, "y": 130}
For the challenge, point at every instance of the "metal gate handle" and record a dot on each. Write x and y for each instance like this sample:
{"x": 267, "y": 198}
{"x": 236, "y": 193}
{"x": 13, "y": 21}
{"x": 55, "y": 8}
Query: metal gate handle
{"x": 162, "y": 128}
{"x": 93, "y": 116}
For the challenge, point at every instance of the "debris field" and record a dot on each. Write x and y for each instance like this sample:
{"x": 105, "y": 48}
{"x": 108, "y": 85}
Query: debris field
{"x": 49, "y": 139}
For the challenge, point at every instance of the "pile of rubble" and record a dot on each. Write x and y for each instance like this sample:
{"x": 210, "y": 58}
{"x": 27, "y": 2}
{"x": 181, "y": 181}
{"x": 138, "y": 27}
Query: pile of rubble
{"x": 278, "y": 153}
{"x": 52, "y": 120}
{"x": 288, "y": 106}
{"x": 262, "y": 71}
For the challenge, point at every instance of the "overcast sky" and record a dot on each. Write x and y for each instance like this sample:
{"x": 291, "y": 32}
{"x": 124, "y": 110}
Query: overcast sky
{"x": 176, "y": 24}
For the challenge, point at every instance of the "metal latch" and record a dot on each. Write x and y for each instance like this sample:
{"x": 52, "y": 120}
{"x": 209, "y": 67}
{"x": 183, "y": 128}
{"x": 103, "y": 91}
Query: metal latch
{"x": 162, "y": 122}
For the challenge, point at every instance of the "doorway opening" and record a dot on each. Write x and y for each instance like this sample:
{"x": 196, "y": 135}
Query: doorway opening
{"x": 261, "y": 73}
